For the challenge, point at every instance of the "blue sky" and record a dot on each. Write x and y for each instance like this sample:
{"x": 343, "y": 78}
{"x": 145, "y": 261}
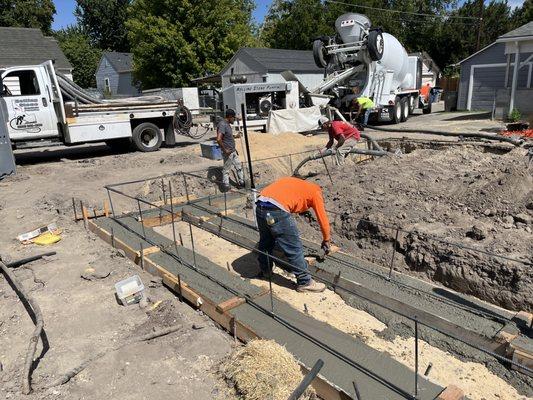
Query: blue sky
{"x": 65, "y": 11}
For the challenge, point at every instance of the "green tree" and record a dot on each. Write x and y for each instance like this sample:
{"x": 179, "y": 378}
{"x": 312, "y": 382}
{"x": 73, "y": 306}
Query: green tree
{"x": 174, "y": 41}
{"x": 522, "y": 15}
{"x": 104, "y": 21}
{"x": 294, "y": 24}
{"x": 83, "y": 56}
{"x": 28, "y": 14}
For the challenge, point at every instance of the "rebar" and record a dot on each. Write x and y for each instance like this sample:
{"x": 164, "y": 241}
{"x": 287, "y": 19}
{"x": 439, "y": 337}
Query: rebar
{"x": 141, "y": 217}
{"x": 172, "y": 218}
{"x": 192, "y": 244}
{"x": 393, "y": 253}
{"x": 110, "y": 202}
{"x": 186, "y": 188}
{"x": 74, "y": 208}
{"x": 416, "y": 357}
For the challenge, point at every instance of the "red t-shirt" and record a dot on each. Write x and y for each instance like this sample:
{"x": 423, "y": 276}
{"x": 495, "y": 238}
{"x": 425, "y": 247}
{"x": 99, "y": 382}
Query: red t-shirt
{"x": 341, "y": 128}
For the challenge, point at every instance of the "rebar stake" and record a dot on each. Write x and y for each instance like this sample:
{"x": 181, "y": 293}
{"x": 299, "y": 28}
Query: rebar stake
{"x": 192, "y": 244}
{"x": 141, "y": 216}
{"x": 172, "y": 218}
{"x": 112, "y": 237}
{"x": 163, "y": 190}
{"x": 141, "y": 254}
{"x": 83, "y": 215}
{"x": 416, "y": 357}
{"x": 393, "y": 252}
{"x": 74, "y": 207}
{"x": 186, "y": 188}
{"x": 225, "y": 205}
{"x": 428, "y": 369}
{"x": 270, "y": 283}
{"x": 110, "y": 201}
{"x": 356, "y": 391}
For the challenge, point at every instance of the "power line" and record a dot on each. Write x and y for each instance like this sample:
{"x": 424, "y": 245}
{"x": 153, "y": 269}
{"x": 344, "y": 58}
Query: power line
{"x": 403, "y": 12}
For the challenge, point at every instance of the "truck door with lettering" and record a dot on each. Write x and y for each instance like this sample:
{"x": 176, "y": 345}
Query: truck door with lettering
{"x": 31, "y": 113}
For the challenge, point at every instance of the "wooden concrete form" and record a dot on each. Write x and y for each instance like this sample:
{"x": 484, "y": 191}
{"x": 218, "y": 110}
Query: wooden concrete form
{"x": 452, "y": 392}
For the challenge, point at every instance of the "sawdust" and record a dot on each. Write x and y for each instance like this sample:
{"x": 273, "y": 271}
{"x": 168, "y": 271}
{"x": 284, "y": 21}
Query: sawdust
{"x": 477, "y": 381}
{"x": 264, "y": 369}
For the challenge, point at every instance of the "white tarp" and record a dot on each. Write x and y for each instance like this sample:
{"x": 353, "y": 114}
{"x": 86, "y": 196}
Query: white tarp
{"x": 293, "y": 120}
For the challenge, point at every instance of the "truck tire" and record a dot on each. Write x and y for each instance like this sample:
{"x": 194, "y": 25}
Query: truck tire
{"x": 375, "y": 45}
{"x": 147, "y": 137}
{"x": 427, "y": 109}
{"x": 412, "y": 100}
{"x": 320, "y": 54}
{"x": 395, "y": 111}
{"x": 404, "y": 105}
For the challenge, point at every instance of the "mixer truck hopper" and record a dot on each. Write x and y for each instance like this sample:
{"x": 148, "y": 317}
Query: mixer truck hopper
{"x": 364, "y": 61}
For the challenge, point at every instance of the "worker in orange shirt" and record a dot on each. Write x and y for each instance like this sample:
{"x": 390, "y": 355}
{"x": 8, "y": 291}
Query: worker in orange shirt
{"x": 276, "y": 226}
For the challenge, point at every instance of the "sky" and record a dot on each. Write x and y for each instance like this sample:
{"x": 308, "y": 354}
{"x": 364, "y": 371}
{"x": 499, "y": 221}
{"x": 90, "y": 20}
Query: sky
{"x": 65, "y": 11}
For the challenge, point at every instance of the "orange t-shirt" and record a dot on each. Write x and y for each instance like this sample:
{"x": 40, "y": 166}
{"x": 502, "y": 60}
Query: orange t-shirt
{"x": 296, "y": 196}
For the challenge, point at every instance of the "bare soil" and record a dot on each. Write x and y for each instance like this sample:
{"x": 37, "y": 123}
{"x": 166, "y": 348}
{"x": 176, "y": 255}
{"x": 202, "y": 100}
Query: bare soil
{"x": 469, "y": 195}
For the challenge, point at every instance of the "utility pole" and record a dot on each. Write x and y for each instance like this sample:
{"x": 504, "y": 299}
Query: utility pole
{"x": 479, "y": 25}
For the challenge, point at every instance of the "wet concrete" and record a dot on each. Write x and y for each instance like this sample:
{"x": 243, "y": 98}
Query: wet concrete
{"x": 373, "y": 368}
{"x": 375, "y": 372}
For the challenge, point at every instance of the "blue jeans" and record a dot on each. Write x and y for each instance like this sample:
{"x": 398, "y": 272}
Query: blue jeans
{"x": 367, "y": 114}
{"x": 283, "y": 233}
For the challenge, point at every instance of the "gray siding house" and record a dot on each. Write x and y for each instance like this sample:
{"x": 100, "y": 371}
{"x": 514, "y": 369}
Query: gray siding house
{"x": 28, "y": 46}
{"x": 262, "y": 65}
{"x": 115, "y": 75}
{"x": 499, "y": 76}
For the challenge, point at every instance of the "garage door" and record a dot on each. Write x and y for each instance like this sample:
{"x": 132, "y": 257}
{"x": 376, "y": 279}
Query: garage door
{"x": 486, "y": 82}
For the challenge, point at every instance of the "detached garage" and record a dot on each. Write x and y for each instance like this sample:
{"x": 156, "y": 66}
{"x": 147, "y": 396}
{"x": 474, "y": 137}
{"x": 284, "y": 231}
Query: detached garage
{"x": 491, "y": 82}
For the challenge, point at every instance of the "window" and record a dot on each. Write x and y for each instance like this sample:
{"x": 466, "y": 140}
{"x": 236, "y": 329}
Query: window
{"x": 21, "y": 83}
{"x": 231, "y": 71}
{"x": 107, "y": 86}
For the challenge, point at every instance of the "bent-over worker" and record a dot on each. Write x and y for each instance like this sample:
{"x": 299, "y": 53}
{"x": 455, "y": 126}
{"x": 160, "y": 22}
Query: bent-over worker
{"x": 360, "y": 105}
{"x": 229, "y": 153}
{"x": 346, "y": 135}
{"x": 277, "y": 226}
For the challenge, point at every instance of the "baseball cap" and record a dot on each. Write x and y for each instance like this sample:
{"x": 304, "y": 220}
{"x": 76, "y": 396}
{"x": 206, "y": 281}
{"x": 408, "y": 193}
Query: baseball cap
{"x": 230, "y": 113}
{"x": 322, "y": 120}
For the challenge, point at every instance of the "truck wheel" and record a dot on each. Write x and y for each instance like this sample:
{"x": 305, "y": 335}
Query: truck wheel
{"x": 147, "y": 137}
{"x": 411, "y": 105}
{"x": 395, "y": 111}
{"x": 375, "y": 45}
{"x": 404, "y": 105}
{"x": 320, "y": 54}
{"x": 427, "y": 109}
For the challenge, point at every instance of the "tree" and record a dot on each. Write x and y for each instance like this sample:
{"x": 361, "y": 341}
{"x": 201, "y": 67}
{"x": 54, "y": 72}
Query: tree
{"x": 294, "y": 24}
{"x": 28, "y": 14}
{"x": 174, "y": 41}
{"x": 104, "y": 21}
{"x": 84, "y": 57}
{"x": 522, "y": 15}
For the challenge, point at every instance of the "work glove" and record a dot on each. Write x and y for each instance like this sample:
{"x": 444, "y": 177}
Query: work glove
{"x": 326, "y": 246}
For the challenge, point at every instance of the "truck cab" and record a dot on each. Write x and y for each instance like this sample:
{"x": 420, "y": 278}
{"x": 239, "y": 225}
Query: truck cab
{"x": 33, "y": 101}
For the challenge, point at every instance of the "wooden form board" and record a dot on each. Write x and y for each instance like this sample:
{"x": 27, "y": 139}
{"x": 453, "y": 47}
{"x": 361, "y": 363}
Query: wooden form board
{"x": 452, "y": 392}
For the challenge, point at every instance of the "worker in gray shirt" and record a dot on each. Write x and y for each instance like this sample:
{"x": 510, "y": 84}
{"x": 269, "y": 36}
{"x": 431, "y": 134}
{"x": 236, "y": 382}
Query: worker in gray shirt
{"x": 227, "y": 144}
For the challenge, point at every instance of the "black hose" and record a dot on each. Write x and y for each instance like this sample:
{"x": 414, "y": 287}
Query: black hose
{"x": 378, "y": 153}
{"x": 516, "y": 142}
{"x": 182, "y": 120}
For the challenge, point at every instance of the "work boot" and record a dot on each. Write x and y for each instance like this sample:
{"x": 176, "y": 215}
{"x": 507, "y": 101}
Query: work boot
{"x": 312, "y": 286}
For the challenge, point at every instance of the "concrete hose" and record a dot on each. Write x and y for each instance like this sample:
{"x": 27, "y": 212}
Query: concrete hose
{"x": 378, "y": 153}
{"x": 182, "y": 120}
{"x": 74, "y": 91}
{"x": 488, "y": 136}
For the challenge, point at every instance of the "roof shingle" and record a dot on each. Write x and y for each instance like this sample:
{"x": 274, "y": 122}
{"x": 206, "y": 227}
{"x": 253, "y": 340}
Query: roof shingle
{"x": 281, "y": 59}
{"x": 121, "y": 62}
{"x": 28, "y": 46}
{"x": 524, "y": 30}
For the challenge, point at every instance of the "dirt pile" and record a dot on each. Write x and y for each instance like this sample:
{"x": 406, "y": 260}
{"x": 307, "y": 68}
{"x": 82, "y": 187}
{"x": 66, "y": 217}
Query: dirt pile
{"x": 480, "y": 200}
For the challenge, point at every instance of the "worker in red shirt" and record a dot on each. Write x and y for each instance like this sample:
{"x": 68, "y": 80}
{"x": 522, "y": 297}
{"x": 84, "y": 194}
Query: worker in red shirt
{"x": 344, "y": 133}
{"x": 276, "y": 226}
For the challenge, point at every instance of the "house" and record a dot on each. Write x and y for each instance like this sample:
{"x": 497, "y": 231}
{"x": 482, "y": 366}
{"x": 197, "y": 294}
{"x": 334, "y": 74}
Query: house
{"x": 498, "y": 77}
{"x": 262, "y": 65}
{"x": 28, "y": 46}
{"x": 430, "y": 70}
{"x": 114, "y": 75}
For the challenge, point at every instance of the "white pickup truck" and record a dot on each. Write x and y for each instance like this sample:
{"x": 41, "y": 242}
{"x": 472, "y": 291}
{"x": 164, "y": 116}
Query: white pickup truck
{"x": 37, "y": 113}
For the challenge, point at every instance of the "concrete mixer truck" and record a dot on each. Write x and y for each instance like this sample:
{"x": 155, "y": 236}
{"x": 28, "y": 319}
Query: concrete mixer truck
{"x": 364, "y": 61}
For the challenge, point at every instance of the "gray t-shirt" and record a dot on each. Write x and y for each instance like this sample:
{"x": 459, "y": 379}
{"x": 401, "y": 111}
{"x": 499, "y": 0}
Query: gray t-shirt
{"x": 227, "y": 135}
